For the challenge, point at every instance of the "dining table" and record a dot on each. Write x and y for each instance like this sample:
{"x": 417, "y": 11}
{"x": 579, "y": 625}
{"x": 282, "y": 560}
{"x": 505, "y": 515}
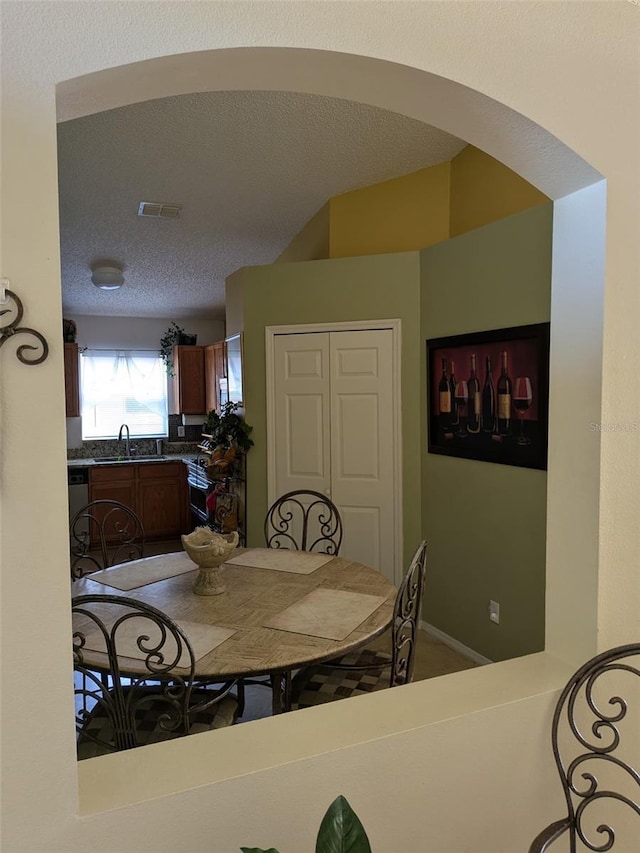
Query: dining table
{"x": 280, "y": 610}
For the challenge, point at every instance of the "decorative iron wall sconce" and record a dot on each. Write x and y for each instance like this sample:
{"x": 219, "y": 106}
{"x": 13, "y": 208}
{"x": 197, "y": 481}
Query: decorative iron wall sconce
{"x": 8, "y": 330}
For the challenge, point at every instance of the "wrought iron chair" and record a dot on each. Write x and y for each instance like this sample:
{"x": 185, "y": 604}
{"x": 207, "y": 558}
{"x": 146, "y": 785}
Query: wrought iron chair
{"x": 368, "y": 670}
{"x": 103, "y": 533}
{"x": 155, "y": 698}
{"x": 592, "y": 721}
{"x": 304, "y": 521}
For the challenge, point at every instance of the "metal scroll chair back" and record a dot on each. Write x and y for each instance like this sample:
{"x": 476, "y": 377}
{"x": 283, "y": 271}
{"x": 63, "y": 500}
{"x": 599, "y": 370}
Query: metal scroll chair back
{"x": 103, "y": 533}
{"x": 596, "y": 747}
{"x": 370, "y": 669}
{"x": 119, "y": 712}
{"x": 134, "y": 678}
{"x": 304, "y": 521}
{"x": 406, "y": 616}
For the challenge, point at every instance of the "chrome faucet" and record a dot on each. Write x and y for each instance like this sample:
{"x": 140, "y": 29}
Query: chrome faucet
{"x": 127, "y": 447}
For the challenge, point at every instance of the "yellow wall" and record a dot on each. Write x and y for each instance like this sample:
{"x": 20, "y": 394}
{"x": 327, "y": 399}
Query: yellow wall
{"x": 427, "y": 207}
{"x": 400, "y": 215}
{"x": 483, "y": 190}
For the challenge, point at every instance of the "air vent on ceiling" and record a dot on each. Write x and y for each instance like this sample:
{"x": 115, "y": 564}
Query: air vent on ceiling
{"x": 159, "y": 208}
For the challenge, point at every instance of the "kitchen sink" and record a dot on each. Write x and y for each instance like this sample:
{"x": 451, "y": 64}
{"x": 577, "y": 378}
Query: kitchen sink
{"x": 112, "y": 459}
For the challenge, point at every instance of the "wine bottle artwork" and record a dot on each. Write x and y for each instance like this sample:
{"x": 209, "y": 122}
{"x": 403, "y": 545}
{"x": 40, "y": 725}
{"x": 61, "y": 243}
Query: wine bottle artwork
{"x": 444, "y": 399}
{"x": 475, "y": 401}
{"x": 461, "y": 400}
{"x": 522, "y": 399}
{"x": 455, "y": 415}
{"x": 488, "y": 400}
{"x": 474, "y": 409}
{"x": 504, "y": 399}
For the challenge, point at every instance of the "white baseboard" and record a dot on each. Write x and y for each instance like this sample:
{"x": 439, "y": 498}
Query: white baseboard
{"x": 456, "y": 645}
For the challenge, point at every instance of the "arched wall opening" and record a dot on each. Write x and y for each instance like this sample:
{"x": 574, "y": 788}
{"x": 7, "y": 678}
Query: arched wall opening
{"x": 506, "y": 135}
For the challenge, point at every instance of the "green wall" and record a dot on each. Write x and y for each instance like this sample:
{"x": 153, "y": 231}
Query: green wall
{"x": 364, "y": 288}
{"x": 486, "y": 523}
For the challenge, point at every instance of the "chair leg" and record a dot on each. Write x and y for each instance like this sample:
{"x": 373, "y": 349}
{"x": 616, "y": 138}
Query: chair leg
{"x": 280, "y": 692}
{"x": 240, "y": 697}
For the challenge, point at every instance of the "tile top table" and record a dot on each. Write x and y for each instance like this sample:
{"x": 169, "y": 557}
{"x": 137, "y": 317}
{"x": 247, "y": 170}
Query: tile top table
{"x": 281, "y": 618}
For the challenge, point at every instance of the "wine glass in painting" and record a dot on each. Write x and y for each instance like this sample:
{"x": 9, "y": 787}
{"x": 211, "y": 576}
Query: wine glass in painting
{"x": 461, "y": 397}
{"x": 522, "y": 399}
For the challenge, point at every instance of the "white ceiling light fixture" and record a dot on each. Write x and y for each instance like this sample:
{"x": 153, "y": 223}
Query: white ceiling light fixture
{"x": 107, "y": 277}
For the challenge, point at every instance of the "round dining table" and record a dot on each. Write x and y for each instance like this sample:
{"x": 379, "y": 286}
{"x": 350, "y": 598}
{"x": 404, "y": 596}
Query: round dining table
{"x": 282, "y": 610}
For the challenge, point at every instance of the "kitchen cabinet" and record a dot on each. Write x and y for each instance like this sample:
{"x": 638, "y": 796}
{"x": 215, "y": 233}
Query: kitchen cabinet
{"x": 188, "y": 380}
{"x": 215, "y": 371}
{"x": 156, "y": 491}
{"x": 162, "y": 499}
{"x": 71, "y": 382}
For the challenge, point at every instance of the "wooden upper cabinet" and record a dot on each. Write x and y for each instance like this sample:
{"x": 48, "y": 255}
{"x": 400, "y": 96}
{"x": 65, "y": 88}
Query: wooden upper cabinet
{"x": 71, "y": 382}
{"x": 215, "y": 369}
{"x": 188, "y": 380}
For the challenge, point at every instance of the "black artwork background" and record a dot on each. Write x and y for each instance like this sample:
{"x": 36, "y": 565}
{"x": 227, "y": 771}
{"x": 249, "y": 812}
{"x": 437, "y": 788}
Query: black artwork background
{"x": 527, "y": 349}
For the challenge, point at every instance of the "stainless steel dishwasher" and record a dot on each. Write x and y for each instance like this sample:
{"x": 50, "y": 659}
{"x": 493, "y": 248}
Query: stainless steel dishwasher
{"x": 78, "y": 483}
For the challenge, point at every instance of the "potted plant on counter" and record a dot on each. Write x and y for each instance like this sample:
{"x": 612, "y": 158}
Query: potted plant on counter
{"x": 174, "y": 336}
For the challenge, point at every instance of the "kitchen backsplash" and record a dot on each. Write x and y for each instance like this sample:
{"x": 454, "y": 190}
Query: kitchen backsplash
{"x": 145, "y": 446}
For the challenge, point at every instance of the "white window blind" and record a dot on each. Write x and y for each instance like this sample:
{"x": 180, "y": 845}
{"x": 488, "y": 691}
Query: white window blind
{"x": 120, "y": 386}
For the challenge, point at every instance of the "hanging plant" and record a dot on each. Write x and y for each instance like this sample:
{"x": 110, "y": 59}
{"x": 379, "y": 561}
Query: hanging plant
{"x": 174, "y": 335}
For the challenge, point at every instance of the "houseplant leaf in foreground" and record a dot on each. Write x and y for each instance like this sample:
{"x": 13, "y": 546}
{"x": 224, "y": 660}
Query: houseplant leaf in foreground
{"x": 341, "y": 830}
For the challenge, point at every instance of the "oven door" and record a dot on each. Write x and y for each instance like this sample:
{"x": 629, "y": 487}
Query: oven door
{"x": 198, "y": 488}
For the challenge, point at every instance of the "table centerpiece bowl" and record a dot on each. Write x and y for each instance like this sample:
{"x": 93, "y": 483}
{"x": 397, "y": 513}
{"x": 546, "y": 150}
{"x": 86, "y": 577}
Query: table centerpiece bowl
{"x": 209, "y": 550}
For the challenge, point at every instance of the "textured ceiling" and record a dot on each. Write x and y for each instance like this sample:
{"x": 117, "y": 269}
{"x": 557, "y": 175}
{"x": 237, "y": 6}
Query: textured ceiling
{"x": 250, "y": 169}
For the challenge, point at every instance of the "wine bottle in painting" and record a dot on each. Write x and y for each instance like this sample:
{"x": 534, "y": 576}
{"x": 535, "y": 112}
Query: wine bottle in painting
{"x": 488, "y": 400}
{"x": 504, "y": 389}
{"x": 475, "y": 400}
{"x": 455, "y": 414}
{"x": 444, "y": 399}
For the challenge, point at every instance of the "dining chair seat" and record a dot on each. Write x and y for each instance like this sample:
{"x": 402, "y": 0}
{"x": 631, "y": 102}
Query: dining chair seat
{"x": 98, "y": 735}
{"x": 364, "y": 671}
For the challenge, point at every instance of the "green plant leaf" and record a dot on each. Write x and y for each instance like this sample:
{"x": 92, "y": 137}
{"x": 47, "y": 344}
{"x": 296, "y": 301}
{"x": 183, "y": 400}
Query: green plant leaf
{"x": 258, "y": 850}
{"x": 341, "y": 830}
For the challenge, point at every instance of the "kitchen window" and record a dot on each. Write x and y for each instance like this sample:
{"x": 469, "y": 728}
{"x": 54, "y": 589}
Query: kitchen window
{"x": 123, "y": 386}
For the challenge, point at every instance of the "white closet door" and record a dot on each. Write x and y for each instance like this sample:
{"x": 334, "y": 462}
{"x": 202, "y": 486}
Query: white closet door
{"x": 334, "y": 432}
{"x": 302, "y": 410}
{"x": 362, "y": 443}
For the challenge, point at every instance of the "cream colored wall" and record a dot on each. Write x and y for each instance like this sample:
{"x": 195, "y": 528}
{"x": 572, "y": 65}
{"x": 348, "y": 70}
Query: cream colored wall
{"x": 267, "y": 783}
{"x": 140, "y": 332}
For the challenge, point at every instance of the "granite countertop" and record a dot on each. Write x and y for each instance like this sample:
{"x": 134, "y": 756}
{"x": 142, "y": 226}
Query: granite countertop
{"x": 108, "y": 452}
{"x": 169, "y": 457}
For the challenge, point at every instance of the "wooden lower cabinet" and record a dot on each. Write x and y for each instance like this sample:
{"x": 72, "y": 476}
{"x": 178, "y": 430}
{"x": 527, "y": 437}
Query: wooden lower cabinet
{"x": 162, "y": 499}
{"x": 156, "y": 491}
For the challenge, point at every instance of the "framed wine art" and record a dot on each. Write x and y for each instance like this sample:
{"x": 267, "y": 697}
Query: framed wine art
{"x": 488, "y": 395}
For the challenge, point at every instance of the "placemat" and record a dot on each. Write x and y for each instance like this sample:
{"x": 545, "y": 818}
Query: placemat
{"x": 203, "y": 639}
{"x": 328, "y": 613}
{"x": 281, "y": 560}
{"x": 139, "y": 573}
